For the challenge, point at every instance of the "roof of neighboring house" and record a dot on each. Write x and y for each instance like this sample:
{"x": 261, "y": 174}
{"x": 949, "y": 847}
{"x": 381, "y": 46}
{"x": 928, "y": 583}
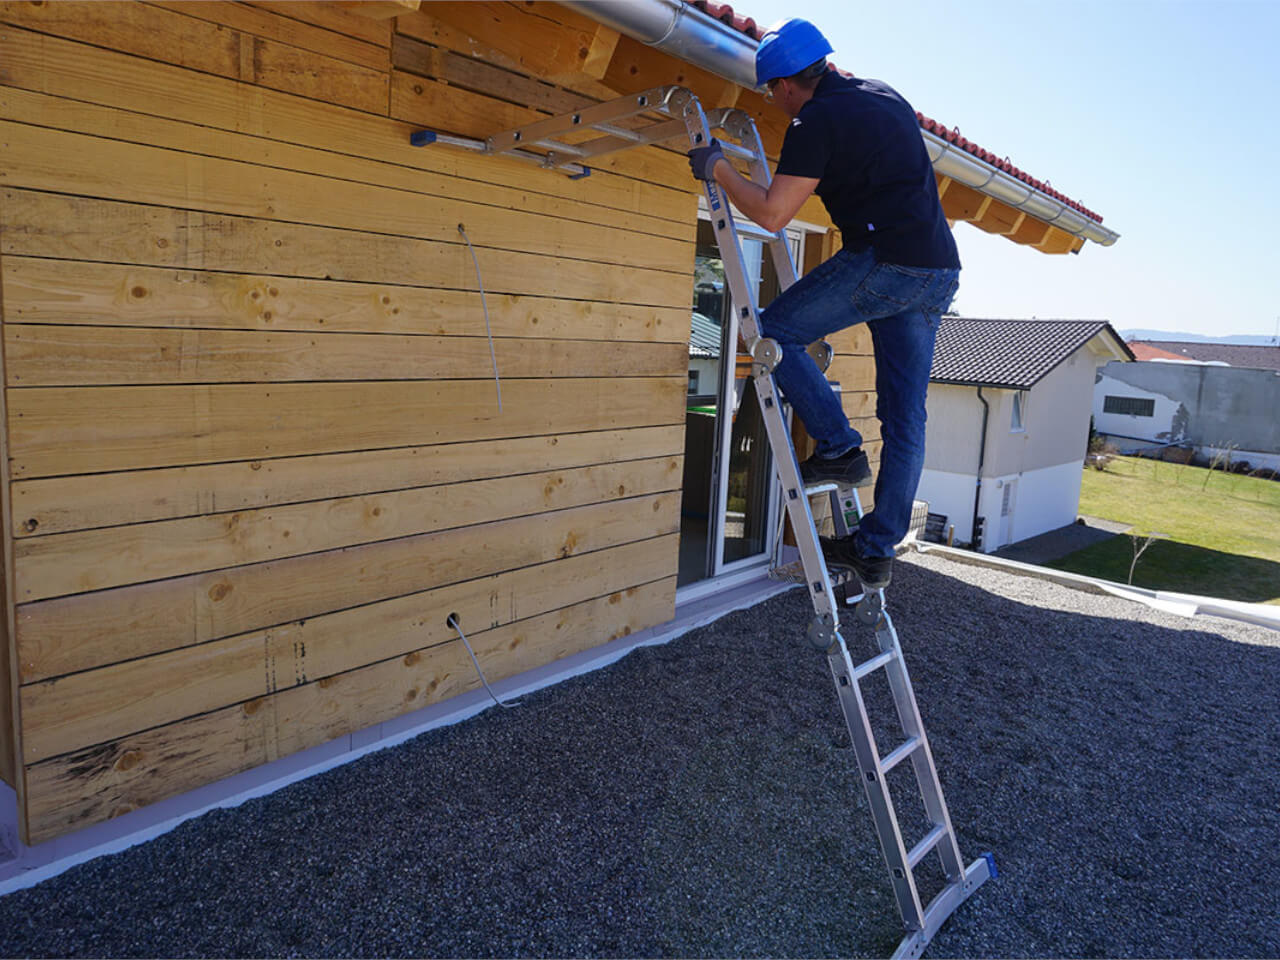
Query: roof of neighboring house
{"x": 704, "y": 336}
{"x": 726, "y": 14}
{"x": 1235, "y": 354}
{"x": 1011, "y": 354}
{"x": 1145, "y": 351}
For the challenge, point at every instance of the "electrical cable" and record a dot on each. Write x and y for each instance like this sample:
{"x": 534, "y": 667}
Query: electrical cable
{"x": 485, "y": 304}
{"x": 452, "y": 620}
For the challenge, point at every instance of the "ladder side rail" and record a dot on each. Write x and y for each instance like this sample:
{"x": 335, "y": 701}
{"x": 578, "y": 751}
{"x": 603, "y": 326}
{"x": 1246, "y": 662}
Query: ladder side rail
{"x": 925, "y": 770}
{"x": 655, "y": 100}
{"x": 888, "y": 832}
{"x": 601, "y": 146}
{"x": 746, "y": 312}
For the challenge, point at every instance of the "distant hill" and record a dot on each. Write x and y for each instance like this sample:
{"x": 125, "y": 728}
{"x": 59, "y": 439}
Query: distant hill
{"x": 1253, "y": 340}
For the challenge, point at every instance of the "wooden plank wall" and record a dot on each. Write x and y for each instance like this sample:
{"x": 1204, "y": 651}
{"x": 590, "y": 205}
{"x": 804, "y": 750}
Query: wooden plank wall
{"x": 255, "y": 456}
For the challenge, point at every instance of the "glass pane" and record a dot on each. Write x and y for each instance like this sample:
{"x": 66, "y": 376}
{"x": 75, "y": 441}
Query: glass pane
{"x": 706, "y": 337}
{"x": 746, "y": 519}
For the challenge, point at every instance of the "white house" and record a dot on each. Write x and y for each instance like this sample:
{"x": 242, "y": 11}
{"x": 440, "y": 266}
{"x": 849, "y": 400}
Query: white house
{"x": 1212, "y": 398}
{"x": 1009, "y": 405}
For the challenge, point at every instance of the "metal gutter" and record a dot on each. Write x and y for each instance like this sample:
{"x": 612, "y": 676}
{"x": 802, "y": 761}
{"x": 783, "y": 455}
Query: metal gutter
{"x": 691, "y": 35}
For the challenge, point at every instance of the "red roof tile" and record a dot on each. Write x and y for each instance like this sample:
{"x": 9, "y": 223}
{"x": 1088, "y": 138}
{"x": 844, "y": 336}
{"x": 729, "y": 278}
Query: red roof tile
{"x": 726, "y": 14}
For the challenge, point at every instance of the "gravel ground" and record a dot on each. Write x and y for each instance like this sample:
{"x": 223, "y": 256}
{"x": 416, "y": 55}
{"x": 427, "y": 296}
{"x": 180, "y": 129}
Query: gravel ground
{"x": 700, "y": 799}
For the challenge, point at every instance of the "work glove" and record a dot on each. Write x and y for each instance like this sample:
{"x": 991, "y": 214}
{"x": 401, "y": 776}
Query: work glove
{"x": 703, "y": 160}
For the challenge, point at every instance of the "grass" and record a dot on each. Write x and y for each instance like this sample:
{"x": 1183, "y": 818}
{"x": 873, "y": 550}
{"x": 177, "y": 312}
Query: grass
{"x": 1222, "y": 530}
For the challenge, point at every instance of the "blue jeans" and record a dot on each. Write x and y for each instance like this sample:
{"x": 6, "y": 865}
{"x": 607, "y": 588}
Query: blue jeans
{"x": 901, "y": 306}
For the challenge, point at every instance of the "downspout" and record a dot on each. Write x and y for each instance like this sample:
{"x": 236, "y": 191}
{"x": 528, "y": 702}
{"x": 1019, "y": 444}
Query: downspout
{"x": 982, "y": 456}
{"x": 691, "y": 35}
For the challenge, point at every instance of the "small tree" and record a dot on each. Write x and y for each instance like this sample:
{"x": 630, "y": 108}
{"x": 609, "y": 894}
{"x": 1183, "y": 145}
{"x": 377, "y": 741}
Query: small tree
{"x": 1140, "y": 546}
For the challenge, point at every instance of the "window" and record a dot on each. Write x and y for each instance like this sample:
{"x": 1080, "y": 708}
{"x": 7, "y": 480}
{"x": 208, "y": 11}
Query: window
{"x": 693, "y": 380}
{"x": 1019, "y": 410}
{"x": 1133, "y": 406}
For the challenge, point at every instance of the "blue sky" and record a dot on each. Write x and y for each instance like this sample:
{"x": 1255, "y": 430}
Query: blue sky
{"x": 1162, "y": 116}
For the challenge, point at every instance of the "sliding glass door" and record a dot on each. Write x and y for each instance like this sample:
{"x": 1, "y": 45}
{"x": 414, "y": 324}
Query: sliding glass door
{"x": 729, "y": 507}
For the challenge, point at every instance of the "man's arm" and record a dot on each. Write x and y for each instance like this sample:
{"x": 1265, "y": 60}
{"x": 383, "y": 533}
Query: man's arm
{"x": 773, "y": 208}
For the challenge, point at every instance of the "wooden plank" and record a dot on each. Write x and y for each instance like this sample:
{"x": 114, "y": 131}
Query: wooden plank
{"x": 11, "y": 769}
{"x": 380, "y": 9}
{"x": 45, "y": 355}
{"x": 56, "y": 637}
{"x": 854, "y": 374}
{"x": 256, "y": 21}
{"x": 961, "y": 202}
{"x": 42, "y": 159}
{"x": 330, "y": 16}
{"x": 107, "y": 231}
{"x": 59, "y": 113}
{"x": 156, "y": 33}
{"x": 143, "y": 30}
{"x": 534, "y": 40}
{"x": 76, "y": 72}
{"x": 65, "y": 563}
{"x": 1032, "y": 232}
{"x": 88, "y": 708}
{"x": 105, "y": 781}
{"x": 55, "y": 431}
{"x": 1057, "y": 241}
{"x": 41, "y": 291}
{"x": 62, "y": 504}
{"x": 424, "y": 60}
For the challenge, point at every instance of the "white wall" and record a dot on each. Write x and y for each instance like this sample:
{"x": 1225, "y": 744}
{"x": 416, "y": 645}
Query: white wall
{"x": 950, "y": 494}
{"x": 1131, "y": 425}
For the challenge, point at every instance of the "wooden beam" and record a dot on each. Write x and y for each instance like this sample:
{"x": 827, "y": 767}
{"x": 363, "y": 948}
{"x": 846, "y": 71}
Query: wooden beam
{"x": 380, "y": 9}
{"x": 961, "y": 202}
{"x": 600, "y": 53}
{"x": 1031, "y": 232}
{"x": 1057, "y": 241}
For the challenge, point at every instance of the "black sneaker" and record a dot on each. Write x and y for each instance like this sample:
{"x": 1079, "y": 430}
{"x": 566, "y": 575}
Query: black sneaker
{"x": 874, "y": 572}
{"x": 849, "y": 469}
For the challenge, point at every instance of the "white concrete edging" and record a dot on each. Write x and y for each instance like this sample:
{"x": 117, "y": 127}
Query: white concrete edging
{"x": 1183, "y": 604}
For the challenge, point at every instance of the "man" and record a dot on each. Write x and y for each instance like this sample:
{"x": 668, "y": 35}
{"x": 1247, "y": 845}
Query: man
{"x": 857, "y": 143}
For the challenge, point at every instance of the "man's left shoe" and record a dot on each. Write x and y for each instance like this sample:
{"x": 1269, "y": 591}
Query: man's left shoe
{"x": 874, "y": 572}
{"x": 850, "y": 469}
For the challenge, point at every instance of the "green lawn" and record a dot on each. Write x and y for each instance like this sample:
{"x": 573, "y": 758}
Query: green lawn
{"x": 1222, "y": 530}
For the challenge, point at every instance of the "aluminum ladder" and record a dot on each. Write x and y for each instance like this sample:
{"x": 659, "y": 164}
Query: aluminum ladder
{"x": 673, "y": 113}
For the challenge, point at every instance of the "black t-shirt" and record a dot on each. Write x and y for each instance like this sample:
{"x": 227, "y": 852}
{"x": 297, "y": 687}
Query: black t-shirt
{"x": 862, "y": 141}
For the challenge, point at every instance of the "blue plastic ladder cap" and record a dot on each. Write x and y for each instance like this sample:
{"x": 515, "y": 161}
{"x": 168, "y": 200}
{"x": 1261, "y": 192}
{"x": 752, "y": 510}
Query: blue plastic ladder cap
{"x": 422, "y": 138}
{"x": 991, "y": 865}
{"x": 586, "y": 172}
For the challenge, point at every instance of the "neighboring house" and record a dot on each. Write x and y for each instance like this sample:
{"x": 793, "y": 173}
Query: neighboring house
{"x": 1216, "y": 400}
{"x": 1009, "y": 424}
{"x": 1251, "y": 356}
{"x": 254, "y": 458}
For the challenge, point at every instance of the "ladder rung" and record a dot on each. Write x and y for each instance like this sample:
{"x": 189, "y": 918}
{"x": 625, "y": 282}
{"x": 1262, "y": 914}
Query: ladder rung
{"x": 899, "y": 754}
{"x": 794, "y": 573}
{"x": 921, "y": 849}
{"x": 875, "y": 663}
{"x": 816, "y": 488}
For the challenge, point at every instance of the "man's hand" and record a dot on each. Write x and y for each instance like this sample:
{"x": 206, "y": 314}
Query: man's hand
{"x": 703, "y": 160}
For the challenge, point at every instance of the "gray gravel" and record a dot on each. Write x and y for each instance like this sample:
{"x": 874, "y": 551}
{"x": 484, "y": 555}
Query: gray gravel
{"x": 700, "y": 799}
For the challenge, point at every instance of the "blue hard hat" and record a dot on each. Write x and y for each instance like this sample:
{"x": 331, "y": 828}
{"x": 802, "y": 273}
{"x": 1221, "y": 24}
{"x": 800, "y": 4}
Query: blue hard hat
{"x": 787, "y": 48}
